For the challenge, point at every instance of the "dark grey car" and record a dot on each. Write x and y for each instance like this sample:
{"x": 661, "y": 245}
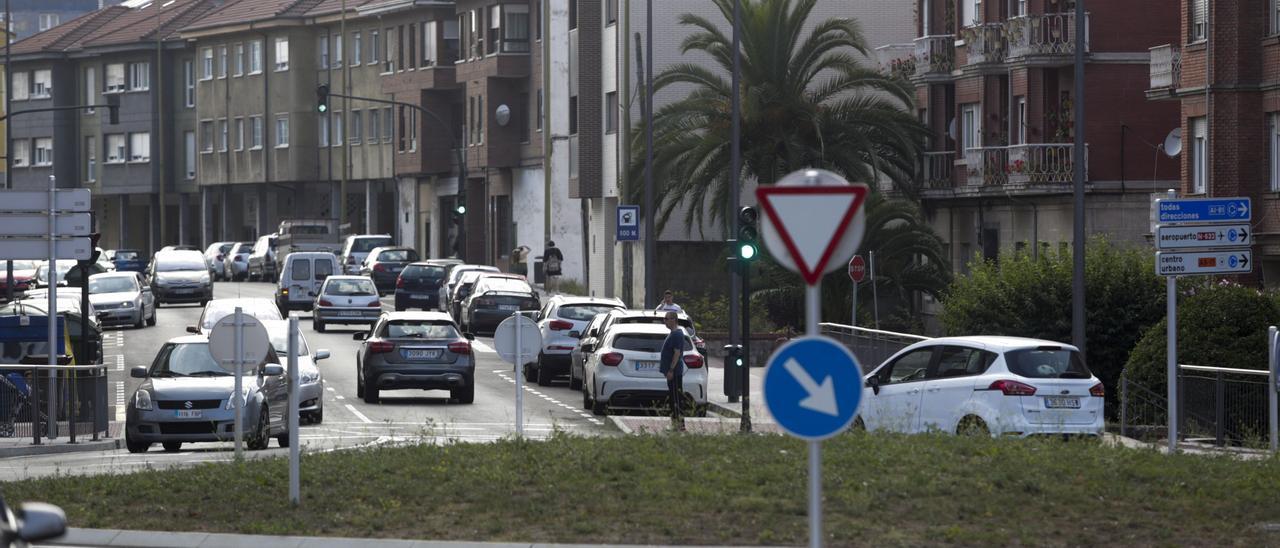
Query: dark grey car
{"x": 383, "y": 266}
{"x": 420, "y": 350}
{"x": 180, "y": 277}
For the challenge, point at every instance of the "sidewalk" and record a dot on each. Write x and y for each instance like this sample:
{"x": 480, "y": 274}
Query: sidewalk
{"x": 20, "y": 444}
{"x": 114, "y": 537}
{"x": 722, "y": 417}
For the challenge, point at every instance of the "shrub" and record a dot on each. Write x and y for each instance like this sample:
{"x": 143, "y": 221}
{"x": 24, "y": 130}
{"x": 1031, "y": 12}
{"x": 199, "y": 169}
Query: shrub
{"x": 711, "y": 313}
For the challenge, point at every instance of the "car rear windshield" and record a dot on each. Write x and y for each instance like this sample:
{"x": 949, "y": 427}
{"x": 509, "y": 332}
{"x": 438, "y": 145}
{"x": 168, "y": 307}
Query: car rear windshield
{"x": 244, "y": 248}
{"x": 216, "y": 310}
{"x": 224, "y": 248}
{"x": 1047, "y": 362}
{"x": 112, "y": 284}
{"x": 398, "y": 255}
{"x": 365, "y": 245}
{"x": 683, "y": 322}
{"x": 418, "y": 329}
{"x": 640, "y": 342}
{"x": 350, "y": 287}
{"x": 308, "y": 229}
{"x": 423, "y": 272}
{"x": 126, "y": 255}
{"x": 583, "y": 312}
{"x": 507, "y": 285}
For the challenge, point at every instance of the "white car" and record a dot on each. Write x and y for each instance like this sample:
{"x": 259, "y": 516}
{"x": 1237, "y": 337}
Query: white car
{"x": 215, "y": 255}
{"x": 561, "y": 321}
{"x": 446, "y": 290}
{"x": 623, "y": 371}
{"x": 1001, "y": 386}
{"x": 346, "y": 300}
{"x": 262, "y": 309}
{"x": 310, "y": 380}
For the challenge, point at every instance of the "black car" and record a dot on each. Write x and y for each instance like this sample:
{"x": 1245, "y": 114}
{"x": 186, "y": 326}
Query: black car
{"x": 494, "y": 298}
{"x": 419, "y": 286}
{"x": 384, "y": 264}
{"x": 415, "y": 350}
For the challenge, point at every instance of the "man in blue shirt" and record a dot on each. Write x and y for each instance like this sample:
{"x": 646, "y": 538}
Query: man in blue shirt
{"x": 672, "y": 366}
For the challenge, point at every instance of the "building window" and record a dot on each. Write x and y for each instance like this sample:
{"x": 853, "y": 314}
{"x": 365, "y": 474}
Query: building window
{"x": 413, "y": 129}
{"x": 538, "y": 116}
{"x": 189, "y": 83}
{"x": 115, "y": 78}
{"x": 387, "y": 125}
{"x": 389, "y": 60}
{"x": 1273, "y": 126}
{"x": 90, "y": 159}
{"x": 357, "y": 48}
{"x": 21, "y": 153}
{"x": 239, "y": 60}
{"x": 206, "y": 137}
{"x": 222, "y": 61}
{"x": 337, "y": 129}
{"x": 206, "y": 64}
{"x": 41, "y": 83}
{"x": 139, "y": 76}
{"x": 222, "y": 135}
{"x": 970, "y": 130}
{"x": 116, "y": 148}
{"x": 140, "y": 147}
{"x": 239, "y": 133}
{"x": 90, "y": 88}
{"x": 282, "y": 130}
{"x": 410, "y": 45}
{"x": 400, "y": 142}
{"x": 475, "y": 45}
{"x": 323, "y": 125}
{"x": 282, "y": 54}
{"x": 1273, "y": 10}
{"x": 337, "y": 51}
{"x": 255, "y": 57}
{"x": 1199, "y": 155}
{"x": 515, "y": 28}
{"x": 357, "y": 127}
{"x": 375, "y": 125}
{"x": 573, "y": 14}
{"x": 495, "y": 29}
{"x": 971, "y": 13}
{"x": 21, "y": 85}
{"x": 430, "y": 55}
{"x": 322, "y": 50}
{"x": 374, "y": 46}
{"x": 48, "y": 21}
{"x": 610, "y": 12}
{"x": 450, "y": 41}
{"x": 573, "y": 115}
{"x": 44, "y": 151}
{"x": 1198, "y": 25}
{"x": 189, "y": 150}
{"x": 611, "y": 112}
{"x": 1020, "y": 121}
{"x": 255, "y": 129}
{"x": 537, "y": 20}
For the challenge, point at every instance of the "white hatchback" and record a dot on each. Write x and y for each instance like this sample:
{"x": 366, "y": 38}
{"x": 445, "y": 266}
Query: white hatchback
{"x": 561, "y": 321}
{"x": 623, "y": 371}
{"x": 986, "y": 385}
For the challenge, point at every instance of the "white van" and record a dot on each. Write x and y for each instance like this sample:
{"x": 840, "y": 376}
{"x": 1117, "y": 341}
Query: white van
{"x": 301, "y": 276}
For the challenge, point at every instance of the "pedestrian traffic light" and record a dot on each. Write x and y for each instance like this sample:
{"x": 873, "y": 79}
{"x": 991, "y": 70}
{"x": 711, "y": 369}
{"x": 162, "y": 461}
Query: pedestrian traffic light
{"x": 747, "y": 249}
{"x": 322, "y": 98}
{"x": 113, "y": 108}
{"x": 460, "y": 210}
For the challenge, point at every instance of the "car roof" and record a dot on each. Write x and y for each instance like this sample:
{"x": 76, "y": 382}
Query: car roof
{"x": 648, "y": 328}
{"x": 419, "y": 315}
{"x": 996, "y": 343}
{"x": 179, "y": 254}
{"x": 563, "y": 300}
{"x": 188, "y": 339}
{"x": 347, "y": 277}
{"x": 233, "y": 301}
{"x": 382, "y": 248}
{"x": 120, "y": 274}
{"x": 358, "y": 236}
{"x": 310, "y": 254}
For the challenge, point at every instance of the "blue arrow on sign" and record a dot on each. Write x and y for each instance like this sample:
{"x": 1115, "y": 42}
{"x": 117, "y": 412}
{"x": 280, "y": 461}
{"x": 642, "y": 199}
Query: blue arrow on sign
{"x": 1203, "y": 210}
{"x": 812, "y": 387}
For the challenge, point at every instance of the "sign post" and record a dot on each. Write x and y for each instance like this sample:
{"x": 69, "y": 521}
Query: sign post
{"x": 295, "y": 496}
{"x": 234, "y": 341}
{"x": 517, "y": 340}
{"x": 857, "y": 271}
{"x": 813, "y": 220}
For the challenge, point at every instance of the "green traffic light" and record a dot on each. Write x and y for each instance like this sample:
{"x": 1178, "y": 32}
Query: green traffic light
{"x": 747, "y": 251}
{"x": 323, "y": 108}
{"x": 461, "y": 209}
{"x": 739, "y": 362}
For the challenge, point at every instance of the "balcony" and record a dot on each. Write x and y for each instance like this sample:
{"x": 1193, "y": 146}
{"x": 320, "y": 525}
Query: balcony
{"x": 1166, "y": 71}
{"x": 1025, "y": 166}
{"x": 935, "y": 56}
{"x": 1048, "y": 37}
{"x": 935, "y": 169}
{"x": 985, "y": 44}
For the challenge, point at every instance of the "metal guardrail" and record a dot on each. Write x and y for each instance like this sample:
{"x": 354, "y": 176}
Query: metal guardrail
{"x": 81, "y": 400}
{"x": 871, "y": 346}
{"x": 1222, "y": 405}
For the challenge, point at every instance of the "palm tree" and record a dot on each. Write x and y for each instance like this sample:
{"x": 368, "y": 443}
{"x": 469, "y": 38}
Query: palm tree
{"x": 807, "y": 101}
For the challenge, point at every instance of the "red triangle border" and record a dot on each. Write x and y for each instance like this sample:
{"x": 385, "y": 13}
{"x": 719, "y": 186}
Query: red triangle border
{"x": 811, "y": 275}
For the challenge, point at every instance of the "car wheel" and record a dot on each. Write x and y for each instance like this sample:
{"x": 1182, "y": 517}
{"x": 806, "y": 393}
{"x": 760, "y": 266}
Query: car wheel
{"x": 204, "y": 304}
{"x": 359, "y": 384}
{"x": 586, "y": 399}
{"x": 261, "y": 434}
{"x": 317, "y": 416}
{"x": 317, "y": 325}
{"x": 138, "y": 324}
{"x": 172, "y": 446}
{"x": 543, "y": 374}
{"x": 859, "y": 425}
{"x": 283, "y": 439}
{"x": 370, "y": 392}
{"x": 151, "y": 321}
{"x": 530, "y": 373}
{"x": 399, "y": 308}
{"x": 136, "y": 446}
{"x": 598, "y": 407}
{"x": 574, "y": 382}
{"x": 973, "y": 426}
{"x": 466, "y": 394}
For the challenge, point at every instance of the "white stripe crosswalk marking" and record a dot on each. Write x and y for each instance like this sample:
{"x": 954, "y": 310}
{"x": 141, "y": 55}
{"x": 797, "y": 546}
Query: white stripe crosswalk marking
{"x": 358, "y": 414}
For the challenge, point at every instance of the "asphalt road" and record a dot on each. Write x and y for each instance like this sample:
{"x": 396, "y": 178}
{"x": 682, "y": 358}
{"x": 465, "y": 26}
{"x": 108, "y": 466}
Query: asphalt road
{"x": 403, "y": 416}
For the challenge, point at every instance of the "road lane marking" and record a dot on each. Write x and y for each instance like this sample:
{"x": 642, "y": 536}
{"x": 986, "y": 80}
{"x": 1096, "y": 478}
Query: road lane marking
{"x": 339, "y": 397}
{"x": 120, "y": 362}
{"x": 358, "y": 414}
{"x": 483, "y": 347}
{"x": 120, "y": 401}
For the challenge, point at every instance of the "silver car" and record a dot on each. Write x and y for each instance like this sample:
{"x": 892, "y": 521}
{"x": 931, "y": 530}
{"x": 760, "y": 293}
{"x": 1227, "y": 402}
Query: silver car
{"x": 235, "y": 264}
{"x": 346, "y": 300}
{"x": 187, "y": 397}
{"x": 120, "y": 299}
{"x": 310, "y": 380}
{"x": 180, "y": 276}
{"x": 262, "y": 309}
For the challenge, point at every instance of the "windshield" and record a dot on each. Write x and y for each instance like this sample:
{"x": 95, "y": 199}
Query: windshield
{"x": 280, "y": 341}
{"x": 583, "y": 312}
{"x": 180, "y": 265}
{"x": 112, "y": 284}
{"x": 350, "y": 287}
{"x": 126, "y": 255}
{"x": 398, "y": 256}
{"x": 418, "y": 329}
{"x": 190, "y": 360}
{"x": 42, "y": 273}
{"x": 216, "y": 310}
{"x": 420, "y": 272}
{"x": 365, "y": 245}
{"x": 1047, "y": 362}
{"x": 506, "y": 285}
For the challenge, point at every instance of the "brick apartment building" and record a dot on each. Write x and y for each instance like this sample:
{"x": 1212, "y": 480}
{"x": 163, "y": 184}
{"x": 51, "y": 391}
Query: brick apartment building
{"x": 994, "y": 83}
{"x": 1230, "y": 128}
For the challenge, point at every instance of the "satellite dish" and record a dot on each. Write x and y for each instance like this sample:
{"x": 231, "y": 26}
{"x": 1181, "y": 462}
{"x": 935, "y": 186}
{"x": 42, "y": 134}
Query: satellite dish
{"x": 1173, "y": 142}
{"x": 503, "y": 115}
{"x": 951, "y": 129}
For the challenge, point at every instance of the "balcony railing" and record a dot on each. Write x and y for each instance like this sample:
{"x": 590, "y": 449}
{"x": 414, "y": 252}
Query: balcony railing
{"x": 935, "y": 55}
{"x": 1166, "y": 67}
{"x": 985, "y": 166}
{"x": 935, "y": 169}
{"x": 1044, "y": 34}
{"x": 1029, "y": 164}
{"x": 985, "y": 43}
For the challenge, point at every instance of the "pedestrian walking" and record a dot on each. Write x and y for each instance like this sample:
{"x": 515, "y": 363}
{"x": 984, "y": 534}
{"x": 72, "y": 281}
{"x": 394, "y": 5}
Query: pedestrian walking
{"x": 552, "y": 259}
{"x": 672, "y": 366}
{"x": 668, "y": 303}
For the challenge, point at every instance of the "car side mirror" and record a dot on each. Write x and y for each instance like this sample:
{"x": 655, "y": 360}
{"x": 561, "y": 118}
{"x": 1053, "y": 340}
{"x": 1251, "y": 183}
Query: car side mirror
{"x": 469, "y": 336}
{"x": 359, "y": 336}
{"x": 146, "y": 289}
{"x": 41, "y": 521}
{"x": 874, "y": 383}
{"x": 273, "y": 370}
{"x": 138, "y": 372}
{"x": 193, "y": 330}
{"x": 321, "y": 355}
{"x": 588, "y": 347}
{"x": 575, "y": 334}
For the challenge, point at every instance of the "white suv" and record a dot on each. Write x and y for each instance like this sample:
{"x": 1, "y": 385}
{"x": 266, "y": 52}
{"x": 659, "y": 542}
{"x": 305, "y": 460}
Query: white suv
{"x": 623, "y": 371}
{"x": 561, "y": 321}
{"x": 985, "y": 385}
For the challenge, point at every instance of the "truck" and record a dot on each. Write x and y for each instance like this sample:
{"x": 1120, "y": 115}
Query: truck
{"x": 295, "y": 235}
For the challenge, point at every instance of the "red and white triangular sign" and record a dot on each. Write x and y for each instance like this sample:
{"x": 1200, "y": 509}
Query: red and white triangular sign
{"x": 811, "y": 222}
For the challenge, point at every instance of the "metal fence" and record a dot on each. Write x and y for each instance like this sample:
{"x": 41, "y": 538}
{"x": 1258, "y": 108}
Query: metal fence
{"x": 871, "y": 346}
{"x": 1219, "y": 405}
{"x": 81, "y": 400}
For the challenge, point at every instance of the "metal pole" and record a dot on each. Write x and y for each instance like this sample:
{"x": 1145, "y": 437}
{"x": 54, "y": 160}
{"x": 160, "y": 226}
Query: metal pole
{"x": 1171, "y": 349}
{"x": 519, "y": 381}
{"x": 746, "y": 346}
{"x": 853, "y": 314}
{"x": 238, "y": 396}
{"x": 650, "y": 215}
{"x": 1219, "y": 412}
{"x": 875, "y": 296}
{"x": 1078, "y": 237}
{"x": 53, "y": 308}
{"x": 294, "y": 471}
{"x": 1273, "y": 387}
{"x": 812, "y": 312}
{"x": 735, "y": 168}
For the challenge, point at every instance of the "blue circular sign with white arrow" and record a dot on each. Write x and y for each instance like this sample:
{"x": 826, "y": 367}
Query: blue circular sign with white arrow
{"x": 812, "y": 387}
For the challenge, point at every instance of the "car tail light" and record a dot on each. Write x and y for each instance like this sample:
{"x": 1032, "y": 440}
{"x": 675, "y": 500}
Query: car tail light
{"x": 461, "y": 347}
{"x": 1098, "y": 391}
{"x": 399, "y": 282}
{"x": 220, "y": 257}
{"x": 612, "y": 358}
{"x": 560, "y": 325}
{"x": 374, "y": 303}
{"x": 351, "y": 259}
{"x": 484, "y": 302}
{"x": 239, "y": 258}
{"x": 381, "y": 347}
{"x": 325, "y": 302}
{"x": 1013, "y": 388}
{"x": 379, "y": 268}
{"x": 693, "y": 361}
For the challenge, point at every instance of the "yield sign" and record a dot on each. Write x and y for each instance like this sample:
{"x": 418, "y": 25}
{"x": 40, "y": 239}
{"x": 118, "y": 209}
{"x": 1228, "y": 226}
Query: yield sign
{"x": 812, "y": 222}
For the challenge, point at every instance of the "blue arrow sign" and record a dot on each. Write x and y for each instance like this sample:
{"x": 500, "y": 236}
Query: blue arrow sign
{"x": 812, "y": 387}
{"x": 1203, "y": 210}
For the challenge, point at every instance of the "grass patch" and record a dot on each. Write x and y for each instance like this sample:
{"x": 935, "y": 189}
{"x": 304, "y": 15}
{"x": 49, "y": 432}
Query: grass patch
{"x": 879, "y": 489}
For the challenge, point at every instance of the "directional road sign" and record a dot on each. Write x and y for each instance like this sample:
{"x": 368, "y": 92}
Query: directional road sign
{"x": 38, "y": 248}
{"x": 1204, "y": 236}
{"x": 813, "y": 221}
{"x": 1203, "y": 210}
{"x": 33, "y": 224}
{"x": 628, "y": 223}
{"x": 1174, "y": 263}
{"x": 75, "y": 199}
{"x": 813, "y": 386}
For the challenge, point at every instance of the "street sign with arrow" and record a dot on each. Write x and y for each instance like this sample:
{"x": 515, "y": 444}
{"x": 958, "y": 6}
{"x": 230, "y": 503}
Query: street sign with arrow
{"x": 1173, "y": 263}
{"x": 1204, "y": 237}
{"x": 812, "y": 387}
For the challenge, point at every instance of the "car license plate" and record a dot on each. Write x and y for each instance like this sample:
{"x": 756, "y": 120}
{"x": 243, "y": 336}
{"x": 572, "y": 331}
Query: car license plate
{"x": 1061, "y": 402}
{"x": 646, "y": 366}
{"x": 413, "y": 354}
{"x": 187, "y": 413}
{"x": 420, "y": 297}
{"x": 348, "y": 312}
{"x": 510, "y": 307}
{"x": 396, "y": 268}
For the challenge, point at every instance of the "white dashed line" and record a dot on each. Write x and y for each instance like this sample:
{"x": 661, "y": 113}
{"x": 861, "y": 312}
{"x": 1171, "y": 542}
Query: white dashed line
{"x": 358, "y": 414}
{"x": 120, "y": 401}
{"x": 120, "y": 362}
{"x": 342, "y": 398}
{"x": 482, "y": 347}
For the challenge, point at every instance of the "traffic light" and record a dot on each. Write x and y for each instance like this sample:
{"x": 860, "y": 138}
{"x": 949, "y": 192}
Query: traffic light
{"x": 461, "y": 209}
{"x": 97, "y": 251}
{"x": 747, "y": 249}
{"x": 113, "y": 108}
{"x": 322, "y": 98}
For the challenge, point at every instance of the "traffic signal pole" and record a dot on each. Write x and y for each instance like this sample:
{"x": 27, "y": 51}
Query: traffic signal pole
{"x": 746, "y": 251}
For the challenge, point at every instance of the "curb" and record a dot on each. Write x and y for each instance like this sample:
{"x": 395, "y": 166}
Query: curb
{"x": 617, "y": 423}
{"x": 51, "y": 449}
{"x": 725, "y": 411}
{"x": 177, "y": 539}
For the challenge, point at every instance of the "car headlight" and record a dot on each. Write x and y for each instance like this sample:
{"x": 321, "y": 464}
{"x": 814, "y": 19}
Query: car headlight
{"x": 244, "y": 400}
{"x": 126, "y": 304}
{"x": 309, "y": 377}
{"x": 142, "y": 400}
